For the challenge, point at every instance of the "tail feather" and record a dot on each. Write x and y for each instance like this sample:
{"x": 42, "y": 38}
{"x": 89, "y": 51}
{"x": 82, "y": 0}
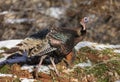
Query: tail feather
{"x": 15, "y": 58}
{"x": 32, "y": 60}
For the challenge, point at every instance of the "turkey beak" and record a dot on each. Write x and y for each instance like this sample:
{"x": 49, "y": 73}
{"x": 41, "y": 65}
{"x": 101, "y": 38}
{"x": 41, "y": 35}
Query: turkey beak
{"x": 84, "y": 21}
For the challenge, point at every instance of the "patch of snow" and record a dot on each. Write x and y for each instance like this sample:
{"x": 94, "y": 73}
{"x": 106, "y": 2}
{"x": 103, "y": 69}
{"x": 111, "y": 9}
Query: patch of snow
{"x": 84, "y": 64}
{"x": 27, "y": 80}
{"x": 44, "y": 69}
{"x": 117, "y": 51}
{"x": 5, "y": 12}
{"x": 97, "y": 46}
{"x": 2, "y": 59}
{"x": 26, "y": 67}
{"x": 22, "y": 79}
{"x": 12, "y": 21}
{"x": 117, "y": 81}
{"x": 82, "y": 44}
{"x": 1, "y": 51}
{"x": 55, "y": 12}
{"x": 9, "y": 43}
{"x": 4, "y": 75}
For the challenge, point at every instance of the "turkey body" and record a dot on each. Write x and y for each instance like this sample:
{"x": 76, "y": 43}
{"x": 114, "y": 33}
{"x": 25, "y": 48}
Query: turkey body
{"x": 48, "y": 46}
{"x": 56, "y": 43}
{"x": 46, "y": 41}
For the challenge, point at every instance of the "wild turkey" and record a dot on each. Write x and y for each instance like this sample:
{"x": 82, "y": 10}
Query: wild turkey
{"x": 48, "y": 44}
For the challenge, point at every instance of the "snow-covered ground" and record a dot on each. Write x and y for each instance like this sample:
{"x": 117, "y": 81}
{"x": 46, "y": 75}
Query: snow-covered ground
{"x": 12, "y": 43}
{"x": 9, "y": 43}
{"x": 98, "y": 46}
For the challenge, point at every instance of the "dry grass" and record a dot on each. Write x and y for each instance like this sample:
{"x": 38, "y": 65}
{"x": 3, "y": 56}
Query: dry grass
{"x": 103, "y": 26}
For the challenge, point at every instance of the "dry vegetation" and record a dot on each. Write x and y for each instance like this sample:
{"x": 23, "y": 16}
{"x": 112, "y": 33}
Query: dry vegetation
{"x": 103, "y": 26}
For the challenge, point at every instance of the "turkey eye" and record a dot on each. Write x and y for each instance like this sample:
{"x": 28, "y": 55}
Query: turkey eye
{"x": 86, "y": 19}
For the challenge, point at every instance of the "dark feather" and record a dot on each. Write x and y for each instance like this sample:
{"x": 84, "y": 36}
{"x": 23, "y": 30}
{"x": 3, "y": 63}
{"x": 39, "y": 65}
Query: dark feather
{"x": 41, "y": 34}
